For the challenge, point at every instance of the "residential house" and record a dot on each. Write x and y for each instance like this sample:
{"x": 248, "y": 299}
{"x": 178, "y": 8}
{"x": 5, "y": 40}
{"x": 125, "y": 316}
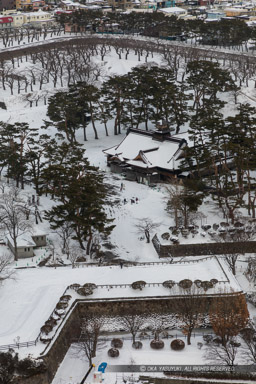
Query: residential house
{"x": 25, "y": 246}
{"x": 27, "y": 243}
{"x": 39, "y": 238}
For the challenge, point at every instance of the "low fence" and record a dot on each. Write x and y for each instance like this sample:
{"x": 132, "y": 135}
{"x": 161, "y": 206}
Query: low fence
{"x": 18, "y": 345}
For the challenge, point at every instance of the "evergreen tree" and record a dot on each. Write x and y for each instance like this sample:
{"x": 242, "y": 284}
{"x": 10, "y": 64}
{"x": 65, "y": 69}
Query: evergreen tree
{"x": 242, "y": 128}
{"x": 112, "y": 91}
{"x": 80, "y": 193}
{"x": 86, "y": 97}
{"x": 14, "y": 141}
{"x": 35, "y": 158}
{"x": 168, "y": 100}
{"x": 206, "y": 79}
{"x": 64, "y": 114}
{"x": 211, "y": 158}
{"x": 185, "y": 200}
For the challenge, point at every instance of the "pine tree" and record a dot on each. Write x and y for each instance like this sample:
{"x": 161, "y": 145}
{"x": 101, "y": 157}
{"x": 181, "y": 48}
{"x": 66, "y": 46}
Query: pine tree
{"x": 242, "y": 129}
{"x": 113, "y": 92}
{"x": 206, "y": 79}
{"x": 86, "y": 97}
{"x": 14, "y": 139}
{"x": 80, "y": 193}
{"x": 64, "y": 115}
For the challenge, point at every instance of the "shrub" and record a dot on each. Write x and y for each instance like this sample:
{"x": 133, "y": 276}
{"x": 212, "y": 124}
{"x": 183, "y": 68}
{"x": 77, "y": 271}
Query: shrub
{"x": 45, "y": 339}
{"x": 157, "y": 344}
{"x": 165, "y": 236}
{"x": 65, "y": 298}
{"x": 85, "y": 291}
{"x": 177, "y": 345}
{"x": 137, "y": 345}
{"x": 30, "y": 367}
{"x": 206, "y": 227}
{"x": 54, "y": 316}
{"x": 113, "y": 352}
{"x": 198, "y": 283}
{"x": 117, "y": 343}
{"x": 90, "y": 285}
{"x": 61, "y": 305}
{"x": 60, "y": 312}
{"x": 138, "y": 284}
{"x": 80, "y": 259}
{"x": 75, "y": 286}
{"x": 47, "y": 328}
{"x": 206, "y": 285}
{"x": 214, "y": 281}
{"x": 52, "y": 322}
{"x": 168, "y": 283}
{"x": 185, "y": 284}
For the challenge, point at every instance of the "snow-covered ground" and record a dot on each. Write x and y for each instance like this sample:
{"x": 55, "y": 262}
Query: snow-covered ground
{"x": 75, "y": 365}
{"x": 28, "y": 301}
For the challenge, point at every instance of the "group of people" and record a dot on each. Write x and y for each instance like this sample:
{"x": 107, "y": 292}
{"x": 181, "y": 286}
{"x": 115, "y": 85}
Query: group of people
{"x": 134, "y": 200}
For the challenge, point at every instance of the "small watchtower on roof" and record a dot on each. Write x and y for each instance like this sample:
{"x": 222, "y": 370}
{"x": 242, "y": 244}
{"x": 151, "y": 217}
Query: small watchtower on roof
{"x": 162, "y": 130}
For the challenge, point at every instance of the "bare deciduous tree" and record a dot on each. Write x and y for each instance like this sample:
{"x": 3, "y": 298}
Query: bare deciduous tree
{"x": 89, "y": 337}
{"x": 6, "y": 272}
{"x": 14, "y": 217}
{"x": 231, "y": 260}
{"x": 249, "y": 349}
{"x": 65, "y": 232}
{"x": 146, "y": 226}
{"x": 73, "y": 252}
{"x": 223, "y": 354}
{"x": 228, "y": 316}
{"x": 190, "y": 309}
{"x": 133, "y": 324}
{"x": 156, "y": 324}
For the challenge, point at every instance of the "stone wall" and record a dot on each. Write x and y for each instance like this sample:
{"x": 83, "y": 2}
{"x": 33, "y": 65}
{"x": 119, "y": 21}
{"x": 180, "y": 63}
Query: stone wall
{"x": 70, "y": 331}
{"x": 203, "y": 249}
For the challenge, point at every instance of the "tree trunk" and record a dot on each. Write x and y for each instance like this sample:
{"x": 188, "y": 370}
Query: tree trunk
{"x": 88, "y": 247}
{"x": 95, "y": 342}
{"x": 15, "y": 249}
{"x": 189, "y": 336}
